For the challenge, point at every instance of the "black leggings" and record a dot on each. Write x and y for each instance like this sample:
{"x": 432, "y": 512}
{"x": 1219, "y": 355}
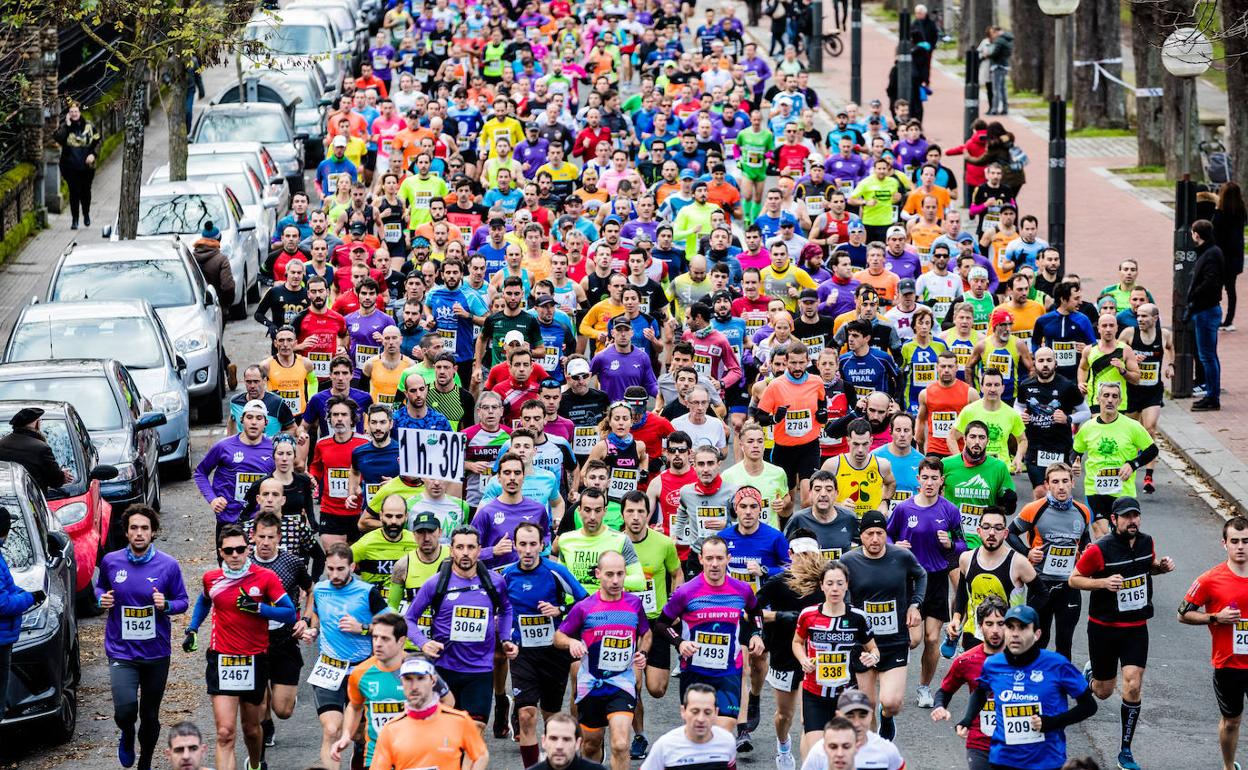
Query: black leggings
{"x": 840, "y": 10}
{"x": 79, "y": 183}
{"x": 1230, "y": 299}
{"x": 130, "y": 678}
{"x": 1065, "y": 604}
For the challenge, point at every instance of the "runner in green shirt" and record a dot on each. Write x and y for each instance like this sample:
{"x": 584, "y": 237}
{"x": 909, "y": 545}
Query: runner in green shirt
{"x": 420, "y": 188}
{"x": 878, "y": 195}
{"x": 1002, "y": 420}
{"x": 975, "y": 480}
{"x": 694, "y": 220}
{"x": 753, "y": 145}
{"x": 1113, "y": 446}
{"x": 770, "y": 480}
{"x": 579, "y": 549}
{"x": 598, "y": 476}
{"x": 376, "y": 552}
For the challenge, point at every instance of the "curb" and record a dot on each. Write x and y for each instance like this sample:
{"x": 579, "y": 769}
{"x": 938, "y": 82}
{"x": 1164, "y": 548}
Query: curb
{"x": 1227, "y": 474}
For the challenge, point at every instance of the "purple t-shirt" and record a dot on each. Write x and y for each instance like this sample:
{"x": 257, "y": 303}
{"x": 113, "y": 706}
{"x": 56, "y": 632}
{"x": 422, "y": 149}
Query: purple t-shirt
{"x": 918, "y": 525}
{"x": 618, "y": 371}
{"x": 135, "y": 629}
{"x": 229, "y": 469}
{"x": 611, "y": 631}
{"x": 905, "y": 266}
{"x": 360, "y": 330}
{"x": 466, "y": 623}
{"x": 496, "y": 520}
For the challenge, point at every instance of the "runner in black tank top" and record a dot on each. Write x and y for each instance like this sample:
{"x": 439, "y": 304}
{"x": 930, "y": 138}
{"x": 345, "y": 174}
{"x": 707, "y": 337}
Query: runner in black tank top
{"x": 981, "y": 582}
{"x": 625, "y": 471}
{"x": 1156, "y": 361}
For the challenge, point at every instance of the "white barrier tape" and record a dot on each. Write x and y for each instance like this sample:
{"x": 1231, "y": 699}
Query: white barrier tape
{"x": 1099, "y": 70}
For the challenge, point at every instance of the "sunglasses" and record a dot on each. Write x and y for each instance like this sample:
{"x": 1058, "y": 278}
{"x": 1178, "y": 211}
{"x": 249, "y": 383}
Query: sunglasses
{"x": 233, "y": 550}
{"x": 578, "y": 377}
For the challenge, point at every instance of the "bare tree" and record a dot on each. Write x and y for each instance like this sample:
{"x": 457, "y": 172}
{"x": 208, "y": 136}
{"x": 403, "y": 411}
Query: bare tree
{"x": 1157, "y": 94}
{"x": 977, "y": 15}
{"x": 1235, "y": 44}
{"x": 1098, "y": 101}
{"x": 1032, "y": 62}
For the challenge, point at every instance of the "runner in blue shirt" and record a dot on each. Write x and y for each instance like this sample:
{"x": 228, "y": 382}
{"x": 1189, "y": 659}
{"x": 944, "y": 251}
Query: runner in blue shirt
{"x": 374, "y": 463}
{"x": 865, "y": 367}
{"x": 456, "y": 313}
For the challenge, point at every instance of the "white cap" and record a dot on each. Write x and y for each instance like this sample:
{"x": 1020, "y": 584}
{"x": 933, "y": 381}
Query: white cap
{"x": 895, "y": 230}
{"x": 804, "y": 545}
{"x": 340, "y": 141}
{"x": 416, "y": 667}
{"x": 256, "y": 406}
{"x": 816, "y": 159}
{"x": 513, "y": 336}
{"x": 577, "y": 367}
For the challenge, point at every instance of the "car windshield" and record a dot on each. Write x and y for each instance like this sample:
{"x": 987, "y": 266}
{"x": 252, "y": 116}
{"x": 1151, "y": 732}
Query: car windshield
{"x": 90, "y": 395}
{"x": 178, "y": 214}
{"x": 290, "y": 39}
{"x": 132, "y": 341}
{"x": 239, "y": 183}
{"x": 251, "y": 126}
{"x": 162, "y": 282}
{"x": 56, "y": 431}
{"x": 18, "y": 551}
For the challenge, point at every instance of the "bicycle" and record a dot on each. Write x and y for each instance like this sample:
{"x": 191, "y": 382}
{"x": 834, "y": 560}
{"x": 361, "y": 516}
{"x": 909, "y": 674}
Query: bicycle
{"x": 832, "y": 43}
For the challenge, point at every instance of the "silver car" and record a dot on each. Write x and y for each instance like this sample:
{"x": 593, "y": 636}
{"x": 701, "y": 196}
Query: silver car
{"x": 289, "y": 38}
{"x": 183, "y": 208}
{"x": 129, "y": 331}
{"x": 246, "y": 186}
{"x": 167, "y": 276}
{"x": 314, "y": 103}
{"x": 270, "y": 124}
{"x": 256, "y": 156}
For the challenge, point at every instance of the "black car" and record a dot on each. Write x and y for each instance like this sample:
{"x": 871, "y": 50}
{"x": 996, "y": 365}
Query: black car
{"x": 120, "y": 420}
{"x": 43, "y": 682}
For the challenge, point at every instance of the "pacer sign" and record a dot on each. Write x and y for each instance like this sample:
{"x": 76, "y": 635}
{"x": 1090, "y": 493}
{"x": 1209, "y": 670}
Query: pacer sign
{"x": 432, "y": 454}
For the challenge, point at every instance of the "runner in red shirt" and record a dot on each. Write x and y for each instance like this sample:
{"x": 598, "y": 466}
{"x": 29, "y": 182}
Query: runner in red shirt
{"x": 664, "y": 491}
{"x": 330, "y": 468}
{"x": 964, "y": 672}
{"x": 1223, "y": 593}
{"x": 243, "y": 598}
{"x": 321, "y": 332}
{"x": 650, "y": 428}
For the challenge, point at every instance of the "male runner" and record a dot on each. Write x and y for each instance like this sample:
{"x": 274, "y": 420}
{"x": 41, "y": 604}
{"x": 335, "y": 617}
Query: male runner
{"x": 940, "y": 403}
{"x": 377, "y": 552}
{"x": 702, "y": 742}
{"x": 1117, "y": 569}
{"x": 1154, "y": 352}
{"x": 428, "y": 734}
{"x": 770, "y": 480}
{"x": 331, "y": 469}
{"x": 863, "y": 479}
{"x": 1050, "y": 403}
{"x": 974, "y": 481}
{"x": 1114, "y": 448}
{"x": 835, "y": 528}
{"x": 374, "y": 692}
{"x": 989, "y": 571}
{"x": 796, "y": 405}
{"x": 989, "y": 620}
{"x": 1004, "y": 423}
{"x": 234, "y": 463}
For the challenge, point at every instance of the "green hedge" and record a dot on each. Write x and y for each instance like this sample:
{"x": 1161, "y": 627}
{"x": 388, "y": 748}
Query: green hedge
{"x": 29, "y": 224}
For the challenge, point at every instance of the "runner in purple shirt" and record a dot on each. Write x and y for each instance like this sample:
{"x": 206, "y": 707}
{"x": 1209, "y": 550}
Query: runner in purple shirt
{"x": 621, "y": 365}
{"x": 233, "y": 464}
{"x": 364, "y": 328}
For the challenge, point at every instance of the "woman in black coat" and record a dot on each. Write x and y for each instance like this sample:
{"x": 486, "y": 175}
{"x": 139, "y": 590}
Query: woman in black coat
{"x": 1229, "y": 220}
{"x": 79, "y": 143}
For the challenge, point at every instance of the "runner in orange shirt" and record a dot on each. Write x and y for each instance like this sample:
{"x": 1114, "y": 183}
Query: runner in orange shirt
{"x": 795, "y": 403}
{"x": 429, "y": 735}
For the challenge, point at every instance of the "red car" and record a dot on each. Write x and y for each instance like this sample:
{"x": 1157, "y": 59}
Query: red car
{"x": 82, "y": 510}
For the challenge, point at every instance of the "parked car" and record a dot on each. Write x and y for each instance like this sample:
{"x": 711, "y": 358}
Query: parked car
{"x": 120, "y": 421}
{"x": 78, "y": 504}
{"x": 294, "y": 38}
{"x": 350, "y": 26}
{"x": 308, "y": 83}
{"x": 273, "y": 125}
{"x": 256, "y": 156}
{"x": 46, "y": 670}
{"x": 128, "y": 331}
{"x": 166, "y": 275}
{"x": 183, "y": 208}
{"x": 246, "y": 186}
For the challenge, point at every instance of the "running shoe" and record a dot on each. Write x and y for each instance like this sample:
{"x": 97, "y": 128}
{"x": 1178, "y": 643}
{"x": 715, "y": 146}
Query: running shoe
{"x": 745, "y": 742}
{"x": 639, "y": 748}
{"x": 755, "y": 712}
{"x": 125, "y": 749}
{"x": 1126, "y": 761}
{"x": 785, "y": 761}
{"x": 925, "y": 699}
{"x": 270, "y": 733}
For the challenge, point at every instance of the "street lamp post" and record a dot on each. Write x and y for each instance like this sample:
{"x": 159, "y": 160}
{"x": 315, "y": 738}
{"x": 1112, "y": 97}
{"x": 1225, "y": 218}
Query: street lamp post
{"x": 1060, "y": 10}
{"x": 855, "y": 52}
{"x": 1185, "y": 54}
{"x": 905, "y": 84}
{"x": 970, "y": 111}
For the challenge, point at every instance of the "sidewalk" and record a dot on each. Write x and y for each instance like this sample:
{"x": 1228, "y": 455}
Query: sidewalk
{"x": 1097, "y": 205}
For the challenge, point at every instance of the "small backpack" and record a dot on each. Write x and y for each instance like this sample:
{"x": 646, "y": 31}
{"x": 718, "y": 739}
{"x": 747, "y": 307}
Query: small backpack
{"x": 1018, "y": 158}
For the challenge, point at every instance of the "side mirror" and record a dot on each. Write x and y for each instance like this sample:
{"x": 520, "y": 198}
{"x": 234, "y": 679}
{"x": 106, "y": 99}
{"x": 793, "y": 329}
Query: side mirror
{"x": 151, "y": 420}
{"x": 277, "y": 179}
{"x": 106, "y": 231}
{"x": 301, "y": 136}
{"x": 247, "y": 224}
{"x": 103, "y": 473}
{"x": 327, "y": 101}
{"x": 210, "y": 297}
{"x": 59, "y": 547}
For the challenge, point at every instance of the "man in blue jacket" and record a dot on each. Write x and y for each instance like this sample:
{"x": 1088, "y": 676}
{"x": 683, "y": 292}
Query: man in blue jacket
{"x": 13, "y": 602}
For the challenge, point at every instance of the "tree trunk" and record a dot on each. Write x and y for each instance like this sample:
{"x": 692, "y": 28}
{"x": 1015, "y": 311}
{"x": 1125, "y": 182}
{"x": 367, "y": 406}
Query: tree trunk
{"x": 1150, "y": 119}
{"x": 1098, "y": 38}
{"x": 977, "y": 16}
{"x": 1033, "y": 46}
{"x": 1233, "y": 14}
{"x": 175, "y": 115}
{"x": 135, "y": 101}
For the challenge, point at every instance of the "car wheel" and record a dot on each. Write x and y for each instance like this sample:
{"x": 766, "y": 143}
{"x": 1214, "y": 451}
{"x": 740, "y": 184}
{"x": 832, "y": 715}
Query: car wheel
{"x": 66, "y": 720}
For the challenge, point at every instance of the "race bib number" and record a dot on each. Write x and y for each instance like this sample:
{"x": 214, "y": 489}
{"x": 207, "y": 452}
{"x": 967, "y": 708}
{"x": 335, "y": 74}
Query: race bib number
{"x": 380, "y": 62}
{"x": 988, "y": 718}
{"x": 781, "y": 680}
{"x": 1134, "y": 594}
{"x": 882, "y": 616}
{"x": 615, "y": 654}
{"x": 832, "y": 668}
{"x": 814, "y": 346}
{"x": 236, "y": 673}
{"x": 1060, "y": 560}
{"x": 1150, "y": 373}
{"x": 292, "y": 399}
{"x": 331, "y": 184}
{"x": 814, "y": 204}
{"x": 970, "y": 516}
{"x": 942, "y": 423}
{"x": 623, "y": 481}
{"x": 338, "y": 481}
{"x": 712, "y": 518}
{"x": 138, "y": 623}
{"x": 1065, "y": 354}
{"x": 328, "y": 673}
{"x": 583, "y": 440}
{"x": 1107, "y": 482}
{"x": 450, "y": 337}
{"x": 899, "y": 497}
{"x": 468, "y": 624}
{"x": 713, "y": 649}
{"x": 702, "y": 364}
{"x": 754, "y": 157}
{"x": 1017, "y": 721}
{"x": 1044, "y": 459}
{"x": 365, "y": 352}
{"x": 1239, "y": 643}
{"x": 745, "y": 576}
{"x": 370, "y": 491}
{"x": 320, "y": 363}
{"x": 536, "y": 631}
{"x": 831, "y": 554}
{"x": 382, "y": 712}
{"x": 798, "y": 422}
{"x": 550, "y": 361}
{"x": 394, "y": 232}
{"x": 242, "y": 483}
{"x": 924, "y": 374}
{"x": 1002, "y": 362}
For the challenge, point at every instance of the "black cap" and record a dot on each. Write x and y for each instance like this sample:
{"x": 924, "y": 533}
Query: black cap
{"x": 808, "y": 294}
{"x": 872, "y": 519}
{"x": 1121, "y": 505}
{"x": 545, "y": 300}
{"x": 636, "y": 393}
{"x": 26, "y": 416}
{"x": 621, "y": 320}
{"x": 425, "y": 521}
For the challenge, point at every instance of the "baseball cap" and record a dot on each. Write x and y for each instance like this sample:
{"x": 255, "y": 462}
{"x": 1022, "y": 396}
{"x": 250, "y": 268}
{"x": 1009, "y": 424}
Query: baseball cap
{"x": 788, "y": 223}
{"x": 340, "y": 141}
{"x": 895, "y": 230}
{"x": 688, "y": 174}
{"x": 513, "y": 337}
{"x": 872, "y": 519}
{"x": 964, "y": 237}
{"x": 1125, "y": 505}
{"x": 722, "y": 294}
{"x": 842, "y": 114}
{"x": 906, "y": 286}
{"x": 425, "y": 521}
{"x": 421, "y": 667}
{"x": 1000, "y": 316}
{"x": 636, "y": 393}
{"x": 815, "y": 159}
{"x": 856, "y": 226}
{"x": 874, "y": 103}
{"x": 1022, "y": 613}
{"x": 255, "y": 406}
{"x": 577, "y": 367}
{"x": 809, "y": 294}
{"x": 619, "y": 321}
{"x": 804, "y": 545}
{"x": 545, "y": 300}
{"x": 854, "y": 700}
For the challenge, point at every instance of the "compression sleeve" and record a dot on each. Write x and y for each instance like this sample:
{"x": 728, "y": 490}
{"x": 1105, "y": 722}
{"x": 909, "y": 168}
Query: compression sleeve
{"x": 203, "y": 605}
{"x": 979, "y": 697}
{"x": 1082, "y": 414}
{"x": 669, "y": 627}
{"x": 1009, "y": 501}
{"x": 1085, "y": 706}
{"x": 283, "y": 611}
{"x": 1146, "y": 456}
